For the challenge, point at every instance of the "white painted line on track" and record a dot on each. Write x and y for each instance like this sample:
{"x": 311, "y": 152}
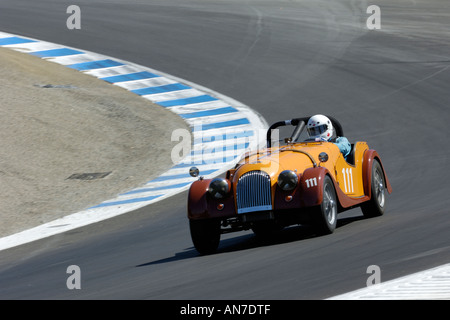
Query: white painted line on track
{"x": 431, "y": 284}
{"x": 209, "y": 113}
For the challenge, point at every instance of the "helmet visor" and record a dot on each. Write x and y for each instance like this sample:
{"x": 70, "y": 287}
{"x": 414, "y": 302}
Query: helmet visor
{"x": 318, "y": 130}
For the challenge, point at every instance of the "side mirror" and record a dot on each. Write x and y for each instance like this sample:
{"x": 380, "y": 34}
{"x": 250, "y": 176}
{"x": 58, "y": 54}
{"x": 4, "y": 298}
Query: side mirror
{"x": 194, "y": 172}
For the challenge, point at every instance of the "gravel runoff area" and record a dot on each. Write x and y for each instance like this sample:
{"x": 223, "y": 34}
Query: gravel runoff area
{"x": 57, "y": 125}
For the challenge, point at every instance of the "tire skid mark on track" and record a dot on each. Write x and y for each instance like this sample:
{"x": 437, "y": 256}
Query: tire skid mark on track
{"x": 208, "y": 113}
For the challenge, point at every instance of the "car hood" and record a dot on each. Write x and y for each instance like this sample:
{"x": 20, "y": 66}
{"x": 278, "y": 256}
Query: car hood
{"x": 275, "y": 160}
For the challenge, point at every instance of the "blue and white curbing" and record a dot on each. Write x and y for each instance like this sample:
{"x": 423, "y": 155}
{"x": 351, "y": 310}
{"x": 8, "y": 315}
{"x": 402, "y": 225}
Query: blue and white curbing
{"x": 221, "y": 127}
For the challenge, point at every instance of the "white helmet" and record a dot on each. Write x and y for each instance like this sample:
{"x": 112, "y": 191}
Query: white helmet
{"x": 320, "y": 128}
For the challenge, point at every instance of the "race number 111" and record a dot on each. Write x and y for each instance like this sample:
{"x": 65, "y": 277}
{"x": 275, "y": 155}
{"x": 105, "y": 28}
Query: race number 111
{"x": 348, "y": 179}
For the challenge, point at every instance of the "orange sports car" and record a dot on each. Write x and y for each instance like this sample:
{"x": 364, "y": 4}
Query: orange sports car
{"x": 307, "y": 182}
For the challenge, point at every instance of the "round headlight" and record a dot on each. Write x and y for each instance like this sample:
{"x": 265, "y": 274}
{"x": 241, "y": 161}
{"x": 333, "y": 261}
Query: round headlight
{"x": 219, "y": 188}
{"x": 287, "y": 180}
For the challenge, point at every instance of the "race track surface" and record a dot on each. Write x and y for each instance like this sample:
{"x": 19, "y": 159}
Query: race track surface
{"x": 285, "y": 59}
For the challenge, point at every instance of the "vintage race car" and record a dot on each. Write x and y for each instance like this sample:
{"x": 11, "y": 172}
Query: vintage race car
{"x": 306, "y": 182}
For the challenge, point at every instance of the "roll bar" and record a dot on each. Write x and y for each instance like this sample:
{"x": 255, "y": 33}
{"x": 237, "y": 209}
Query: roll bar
{"x": 300, "y": 124}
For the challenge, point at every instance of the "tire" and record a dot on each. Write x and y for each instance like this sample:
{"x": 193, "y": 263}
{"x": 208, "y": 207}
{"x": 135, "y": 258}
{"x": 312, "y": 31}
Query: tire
{"x": 325, "y": 215}
{"x": 205, "y": 235}
{"x": 376, "y": 205}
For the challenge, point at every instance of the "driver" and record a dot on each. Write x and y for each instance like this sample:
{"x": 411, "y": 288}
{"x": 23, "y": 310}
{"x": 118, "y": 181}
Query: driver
{"x": 320, "y": 128}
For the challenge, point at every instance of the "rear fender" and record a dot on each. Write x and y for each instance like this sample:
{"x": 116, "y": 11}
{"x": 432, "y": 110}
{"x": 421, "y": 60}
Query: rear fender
{"x": 369, "y": 157}
{"x": 312, "y": 189}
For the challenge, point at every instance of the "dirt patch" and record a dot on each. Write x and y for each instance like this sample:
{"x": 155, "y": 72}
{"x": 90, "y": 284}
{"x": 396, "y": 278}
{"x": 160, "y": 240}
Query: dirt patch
{"x": 58, "y": 123}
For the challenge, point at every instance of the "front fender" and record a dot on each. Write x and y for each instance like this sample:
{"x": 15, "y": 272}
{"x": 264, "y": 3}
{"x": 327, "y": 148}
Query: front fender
{"x": 197, "y": 201}
{"x": 311, "y": 185}
{"x": 202, "y": 206}
{"x": 308, "y": 193}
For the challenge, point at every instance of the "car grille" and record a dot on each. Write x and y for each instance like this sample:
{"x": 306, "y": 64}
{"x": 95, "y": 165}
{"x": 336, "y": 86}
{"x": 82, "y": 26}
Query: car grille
{"x": 253, "y": 192}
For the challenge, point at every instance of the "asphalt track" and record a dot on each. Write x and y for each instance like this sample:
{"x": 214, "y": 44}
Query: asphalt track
{"x": 285, "y": 59}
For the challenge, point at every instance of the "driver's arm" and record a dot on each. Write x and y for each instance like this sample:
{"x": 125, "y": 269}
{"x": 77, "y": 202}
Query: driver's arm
{"x": 344, "y": 145}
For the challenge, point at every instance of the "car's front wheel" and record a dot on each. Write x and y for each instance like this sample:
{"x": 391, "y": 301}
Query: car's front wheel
{"x": 205, "y": 235}
{"x": 325, "y": 215}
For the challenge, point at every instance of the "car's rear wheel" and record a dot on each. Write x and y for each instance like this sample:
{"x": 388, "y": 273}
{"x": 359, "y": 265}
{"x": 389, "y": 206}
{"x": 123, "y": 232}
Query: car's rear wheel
{"x": 376, "y": 205}
{"x": 205, "y": 235}
{"x": 325, "y": 215}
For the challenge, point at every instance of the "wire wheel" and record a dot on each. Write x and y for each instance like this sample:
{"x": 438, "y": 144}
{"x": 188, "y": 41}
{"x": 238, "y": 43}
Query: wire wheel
{"x": 329, "y": 204}
{"x": 379, "y": 187}
{"x": 325, "y": 215}
{"x": 376, "y": 205}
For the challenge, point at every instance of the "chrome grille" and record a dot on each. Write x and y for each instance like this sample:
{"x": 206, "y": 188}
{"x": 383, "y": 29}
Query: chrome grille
{"x": 253, "y": 192}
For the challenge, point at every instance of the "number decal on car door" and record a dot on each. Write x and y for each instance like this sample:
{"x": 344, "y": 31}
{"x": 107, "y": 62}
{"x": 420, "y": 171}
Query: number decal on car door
{"x": 311, "y": 182}
{"x": 348, "y": 179}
